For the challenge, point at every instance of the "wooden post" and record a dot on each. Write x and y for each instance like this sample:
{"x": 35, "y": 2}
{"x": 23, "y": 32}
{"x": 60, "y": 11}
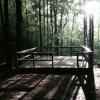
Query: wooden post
{"x": 52, "y": 60}
{"x": 90, "y": 85}
{"x": 33, "y": 55}
{"x": 77, "y": 61}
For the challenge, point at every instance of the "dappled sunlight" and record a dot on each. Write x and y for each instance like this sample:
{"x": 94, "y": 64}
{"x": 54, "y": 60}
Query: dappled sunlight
{"x": 47, "y": 88}
{"x": 80, "y": 92}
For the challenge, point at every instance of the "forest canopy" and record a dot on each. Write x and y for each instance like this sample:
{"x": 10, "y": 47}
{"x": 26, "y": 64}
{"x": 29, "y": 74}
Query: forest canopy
{"x": 47, "y": 23}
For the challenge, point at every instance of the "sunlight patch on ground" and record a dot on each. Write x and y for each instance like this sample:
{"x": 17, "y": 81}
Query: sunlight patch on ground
{"x": 97, "y": 77}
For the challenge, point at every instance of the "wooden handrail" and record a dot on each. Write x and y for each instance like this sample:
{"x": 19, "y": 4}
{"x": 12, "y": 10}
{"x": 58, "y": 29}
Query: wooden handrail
{"x": 86, "y": 49}
{"x": 26, "y": 55}
{"x": 27, "y": 50}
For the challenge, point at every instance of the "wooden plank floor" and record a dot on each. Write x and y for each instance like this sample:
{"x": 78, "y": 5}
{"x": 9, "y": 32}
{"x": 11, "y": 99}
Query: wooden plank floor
{"x": 46, "y": 87}
{"x": 41, "y": 87}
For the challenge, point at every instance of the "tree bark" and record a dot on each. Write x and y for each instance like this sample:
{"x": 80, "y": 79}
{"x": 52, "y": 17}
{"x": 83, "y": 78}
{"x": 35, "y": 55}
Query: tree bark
{"x": 18, "y": 24}
{"x": 7, "y": 34}
{"x": 40, "y": 25}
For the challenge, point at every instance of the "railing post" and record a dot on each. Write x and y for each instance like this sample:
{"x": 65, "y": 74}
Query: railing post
{"x": 16, "y": 62}
{"x": 33, "y": 60}
{"x": 90, "y": 79}
{"x": 77, "y": 61}
{"x": 71, "y": 51}
{"x": 52, "y": 60}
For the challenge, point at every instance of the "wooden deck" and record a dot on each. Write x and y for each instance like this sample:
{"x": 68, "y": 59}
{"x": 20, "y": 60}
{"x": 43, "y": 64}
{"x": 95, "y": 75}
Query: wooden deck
{"x": 46, "y": 86}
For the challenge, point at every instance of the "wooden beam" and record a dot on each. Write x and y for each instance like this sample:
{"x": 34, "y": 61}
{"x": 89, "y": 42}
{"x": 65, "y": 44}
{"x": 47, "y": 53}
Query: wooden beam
{"x": 55, "y": 71}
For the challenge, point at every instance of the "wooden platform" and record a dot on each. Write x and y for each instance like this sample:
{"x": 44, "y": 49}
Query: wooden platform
{"x": 44, "y": 86}
{"x": 41, "y": 87}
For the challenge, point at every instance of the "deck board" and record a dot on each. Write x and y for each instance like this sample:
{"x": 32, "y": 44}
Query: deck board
{"x": 51, "y": 87}
{"x": 45, "y": 86}
{"x": 54, "y": 86}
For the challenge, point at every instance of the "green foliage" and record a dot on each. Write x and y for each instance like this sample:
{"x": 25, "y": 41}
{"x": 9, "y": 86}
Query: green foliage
{"x": 54, "y": 22}
{"x": 61, "y": 21}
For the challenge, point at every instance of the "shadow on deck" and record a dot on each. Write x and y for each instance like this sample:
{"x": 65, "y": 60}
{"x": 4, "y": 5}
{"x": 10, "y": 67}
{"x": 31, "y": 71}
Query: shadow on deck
{"x": 46, "y": 86}
{"x": 41, "y": 87}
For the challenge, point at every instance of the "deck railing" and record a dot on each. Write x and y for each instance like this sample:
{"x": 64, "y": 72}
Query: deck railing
{"x": 83, "y": 55}
{"x": 65, "y": 50}
{"x": 32, "y": 55}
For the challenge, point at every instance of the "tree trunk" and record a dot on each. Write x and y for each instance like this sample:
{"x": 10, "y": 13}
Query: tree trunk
{"x": 18, "y": 24}
{"x": 7, "y": 34}
{"x": 40, "y": 25}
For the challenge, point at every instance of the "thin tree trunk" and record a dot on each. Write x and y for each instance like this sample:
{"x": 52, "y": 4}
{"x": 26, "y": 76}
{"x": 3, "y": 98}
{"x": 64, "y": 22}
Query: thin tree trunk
{"x": 85, "y": 27}
{"x": 73, "y": 22}
{"x": 18, "y": 24}
{"x": 51, "y": 20}
{"x": 55, "y": 27}
{"x": 91, "y": 32}
{"x": 44, "y": 22}
{"x": 2, "y": 26}
{"x": 27, "y": 25}
{"x": 60, "y": 28}
{"x": 55, "y": 24}
{"x": 47, "y": 27}
{"x": 40, "y": 25}
{"x": 36, "y": 26}
{"x": 98, "y": 37}
{"x": 85, "y": 30}
{"x": 1, "y": 14}
{"x": 7, "y": 34}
